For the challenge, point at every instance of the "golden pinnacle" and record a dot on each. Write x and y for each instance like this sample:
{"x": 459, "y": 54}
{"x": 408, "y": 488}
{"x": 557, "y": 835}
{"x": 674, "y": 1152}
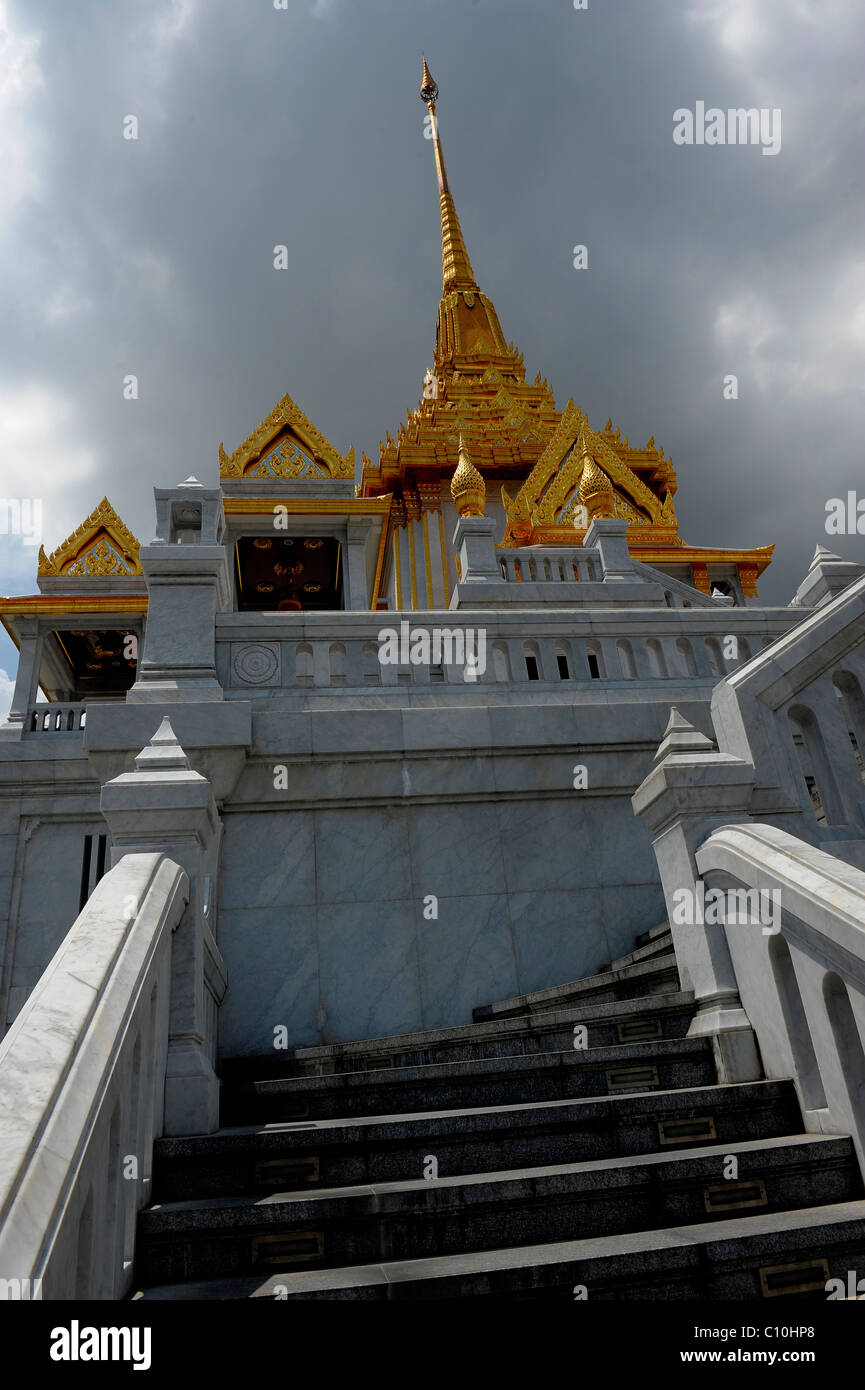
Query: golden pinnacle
{"x": 468, "y": 489}
{"x": 428, "y": 86}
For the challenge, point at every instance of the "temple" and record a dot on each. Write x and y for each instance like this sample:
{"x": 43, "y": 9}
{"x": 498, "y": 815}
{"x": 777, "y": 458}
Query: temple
{"x": 348, "y": 797}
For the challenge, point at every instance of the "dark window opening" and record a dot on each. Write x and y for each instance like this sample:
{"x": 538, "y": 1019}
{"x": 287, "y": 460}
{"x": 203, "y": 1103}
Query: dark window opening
{"x": 101, "y": 662}
{"x": 562, "y": 663}
{"x": 858, "y": 755}
{"x": 91, "y": 870}
{"x": 532, "y": 668}
{"x": 816, "y": 800}
{"x": 594, "y": 667}
{"x": 288, "y": 574}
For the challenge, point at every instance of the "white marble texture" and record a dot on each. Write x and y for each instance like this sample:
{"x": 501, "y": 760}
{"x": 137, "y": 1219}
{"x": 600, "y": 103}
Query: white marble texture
{"x": 823, "y": 924}
{"x": 66, "y": 1079}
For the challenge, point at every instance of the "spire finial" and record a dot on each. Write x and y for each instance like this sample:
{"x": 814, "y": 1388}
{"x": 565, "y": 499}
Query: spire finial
{"x": 595, "y": 490}
{"x": 457, "y": 273}
{"x": 428, "y": 86}
{"x": 468, "y": 488}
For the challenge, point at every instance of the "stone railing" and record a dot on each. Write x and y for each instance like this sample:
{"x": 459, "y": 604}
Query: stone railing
{"x": 797, "y": 714}
{"x": 578, "y": 564}
{"x": 82, "y": 1074}
{"x": 332, "y": 652}
{"x": 800, "y": 977}
{"x": 55, "y": 718}
{"x": 556, "y": 565}
{"x": 790, "y": 722}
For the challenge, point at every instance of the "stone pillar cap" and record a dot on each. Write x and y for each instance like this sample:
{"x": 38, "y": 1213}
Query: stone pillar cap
{"x": 163, "y": 753}
{"x": 682, "y": 737}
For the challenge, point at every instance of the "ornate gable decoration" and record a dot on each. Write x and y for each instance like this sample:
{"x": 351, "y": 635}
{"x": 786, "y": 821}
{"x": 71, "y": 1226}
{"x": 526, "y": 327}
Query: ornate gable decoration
{"x": 100, "y": 547}
{"x": 299, "y": 450}
{"x": 548, "y": 501}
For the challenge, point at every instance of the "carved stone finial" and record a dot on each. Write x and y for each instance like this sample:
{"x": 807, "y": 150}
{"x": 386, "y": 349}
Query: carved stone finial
{"x": 163, "y": 753}
{"x": 682, "y": 737}
{"x": 823, "y": 553}
{"x": 468, "y": 488}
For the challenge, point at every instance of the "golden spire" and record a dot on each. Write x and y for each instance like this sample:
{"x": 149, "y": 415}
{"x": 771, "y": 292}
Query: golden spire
{"x": 457, "y": 273}
{"x": 595, "y": 490}
{"x": 468, "y": 488}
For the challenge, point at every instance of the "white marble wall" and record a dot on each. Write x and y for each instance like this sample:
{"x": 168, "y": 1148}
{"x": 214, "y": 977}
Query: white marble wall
{"x": 322, "y": 886}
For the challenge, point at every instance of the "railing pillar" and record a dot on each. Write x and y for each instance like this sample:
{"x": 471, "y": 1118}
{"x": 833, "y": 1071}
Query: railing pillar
{"x": 26, "y": 679}
{"x": 474, "y": 540}
{"x": 691, "y": 791}
{"x": 164, "y": 805}
{"x": 608, "y": 535}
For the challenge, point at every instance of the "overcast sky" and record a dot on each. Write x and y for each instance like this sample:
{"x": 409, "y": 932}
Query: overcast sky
{"x": 303, "y": 126}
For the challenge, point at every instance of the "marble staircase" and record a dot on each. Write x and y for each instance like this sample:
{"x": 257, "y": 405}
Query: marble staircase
{"x": 513, "y": 1157}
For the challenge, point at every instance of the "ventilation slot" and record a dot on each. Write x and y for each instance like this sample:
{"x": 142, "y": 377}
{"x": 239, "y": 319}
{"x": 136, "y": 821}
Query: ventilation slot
{"x": 805, "y": 1277}
{"x": 698, "y": 1131}
{"x": 733, "y": 1196}
{"x": 631, "y": 1078}
{"x": 640, "y": 1030}
{"x": 280, "y": 1174}
{"x": 289, "y": 1250}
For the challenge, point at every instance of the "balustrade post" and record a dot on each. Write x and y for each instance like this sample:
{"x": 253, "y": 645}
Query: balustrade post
{"x": 691, "y": 791}
{"x": 164, "y": 806}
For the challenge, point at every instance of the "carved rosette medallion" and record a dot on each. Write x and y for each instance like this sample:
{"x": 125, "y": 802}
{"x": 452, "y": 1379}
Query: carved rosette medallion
{"x": 255, "y": 664}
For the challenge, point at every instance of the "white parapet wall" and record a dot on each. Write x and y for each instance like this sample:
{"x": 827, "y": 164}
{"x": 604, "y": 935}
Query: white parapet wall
{"x": 800, "y": 968}
{"x": 82, "y": 1074}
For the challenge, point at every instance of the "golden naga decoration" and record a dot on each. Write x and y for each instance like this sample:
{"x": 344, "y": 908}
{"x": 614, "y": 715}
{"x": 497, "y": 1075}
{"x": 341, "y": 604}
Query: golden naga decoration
{"x": 300, "y": 451}
{"x": 102, "y": 545}
{"x": 595, "y": 490}
{"x": 468, "y": 489}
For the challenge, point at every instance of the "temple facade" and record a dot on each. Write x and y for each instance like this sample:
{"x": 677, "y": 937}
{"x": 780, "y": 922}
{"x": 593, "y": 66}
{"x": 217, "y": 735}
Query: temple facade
{"x": 377, "y": 795}
{"x": 403, "y": 828}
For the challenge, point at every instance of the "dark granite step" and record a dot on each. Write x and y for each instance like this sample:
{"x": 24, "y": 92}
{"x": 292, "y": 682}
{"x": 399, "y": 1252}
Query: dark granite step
{"x": 330, "y": 1153}
{"x": 661, "y": 945}
{"x": 786, "y": 1256}
{"x": 423, "y": 1218}
{"x": 665, "y": 1064}
{"x": 658, "y": 975}
{"x": 663, "y": 929}
{"x": 607, "y": 1024}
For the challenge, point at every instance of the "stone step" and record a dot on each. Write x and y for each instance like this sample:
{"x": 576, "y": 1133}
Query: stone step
{"x": 665, "y": 1064}
{"x": 658, "y": 975}
{"x": 783, "y": 1255}
{"x": 662, "y": 929}
{"x": 619, "y": 1021}
{"x": 661, "y": 946}
{"x": 374, "y": 1149}
{"x": 420, "y": 1218}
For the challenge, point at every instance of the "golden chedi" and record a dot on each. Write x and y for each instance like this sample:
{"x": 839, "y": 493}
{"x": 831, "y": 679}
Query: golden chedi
{"x": 595, "y": 490}
{"x": 468, "y": 488}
